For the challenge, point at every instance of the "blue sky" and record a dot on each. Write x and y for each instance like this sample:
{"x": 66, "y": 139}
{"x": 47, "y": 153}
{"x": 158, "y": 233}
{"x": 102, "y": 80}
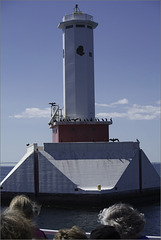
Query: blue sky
{"x": 127, "y": 70}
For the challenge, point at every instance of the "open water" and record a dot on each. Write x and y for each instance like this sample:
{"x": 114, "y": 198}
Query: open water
{"x": 86, "y": 218}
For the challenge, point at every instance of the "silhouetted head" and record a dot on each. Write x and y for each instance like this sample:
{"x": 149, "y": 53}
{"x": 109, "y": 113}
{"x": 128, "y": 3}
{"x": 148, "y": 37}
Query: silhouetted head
{"x": 25, "y": 205}
{"x": 126, "y": 220}
{"x": 15, "y": 226}
{"x": 104, "y": 232}
{"x": 73, "y": 233}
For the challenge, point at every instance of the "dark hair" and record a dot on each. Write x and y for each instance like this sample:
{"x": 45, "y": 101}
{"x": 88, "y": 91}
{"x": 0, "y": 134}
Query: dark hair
{"x": 73, "y": 233}
{"x": 15, "y": 226}
{"x": 104, "y": 232}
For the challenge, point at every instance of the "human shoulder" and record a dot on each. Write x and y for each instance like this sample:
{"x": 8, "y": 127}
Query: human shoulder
{"x": 39, "y": 234}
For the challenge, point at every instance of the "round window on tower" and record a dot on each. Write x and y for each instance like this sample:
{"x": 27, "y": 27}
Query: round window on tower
{"x": 80, "y": 50}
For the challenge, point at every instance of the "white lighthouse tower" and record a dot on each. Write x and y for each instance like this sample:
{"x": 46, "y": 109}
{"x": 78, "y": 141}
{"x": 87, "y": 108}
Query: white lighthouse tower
{"x": 78, "y": 65}
{"x": 78, "y": 123}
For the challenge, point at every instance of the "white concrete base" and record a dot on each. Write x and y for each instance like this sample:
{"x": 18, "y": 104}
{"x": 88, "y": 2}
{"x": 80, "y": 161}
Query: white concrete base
{"x": 82, "y": 168}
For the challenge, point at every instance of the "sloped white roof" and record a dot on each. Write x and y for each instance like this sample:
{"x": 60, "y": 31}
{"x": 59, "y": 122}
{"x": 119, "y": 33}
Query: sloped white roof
{"x": 89, "y": 165}
{"x": 89, "y": 173}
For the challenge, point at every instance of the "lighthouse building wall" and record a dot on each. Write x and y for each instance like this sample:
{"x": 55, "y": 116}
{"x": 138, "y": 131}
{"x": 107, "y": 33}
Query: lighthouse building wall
{"x": 78, "y": 61}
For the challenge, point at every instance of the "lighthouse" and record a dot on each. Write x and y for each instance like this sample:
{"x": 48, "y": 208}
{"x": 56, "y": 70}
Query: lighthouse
{"x": 80, "y": 165}
{"x": 77, "y": 122}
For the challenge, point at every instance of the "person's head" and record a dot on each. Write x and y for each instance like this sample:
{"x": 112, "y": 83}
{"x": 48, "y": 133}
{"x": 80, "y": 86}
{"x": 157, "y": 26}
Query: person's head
{"x": 25, "y": 205}
{"x": 73, "y": 233}
{"x": 15, "y": 226}
{"x": 104, "y": 232}
{"x": 126, "y": 220}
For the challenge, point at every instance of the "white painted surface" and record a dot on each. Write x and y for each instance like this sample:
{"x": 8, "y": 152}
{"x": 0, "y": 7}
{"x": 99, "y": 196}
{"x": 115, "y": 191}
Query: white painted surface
{"x": 130, "y": 178}
{"x": 78, "y": 71}
{"x": 77, "y": 16}
{"x": 149, "y": 175}
{"x": 92, "y": 150}
{"x": 90, "y": 164}
{"x": 21, "y": 177}
{"x": 32, "y": 147}
{"x": 51, "y": 179}
{"x": 85, "y": 174}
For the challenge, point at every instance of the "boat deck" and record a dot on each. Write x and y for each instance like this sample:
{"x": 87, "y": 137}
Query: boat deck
{"x": 50, "y": 233}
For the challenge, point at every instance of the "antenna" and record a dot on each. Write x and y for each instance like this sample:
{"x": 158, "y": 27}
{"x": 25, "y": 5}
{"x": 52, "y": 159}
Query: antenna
{"x": 52, "y": 104}
{"x": 76, "y": 9}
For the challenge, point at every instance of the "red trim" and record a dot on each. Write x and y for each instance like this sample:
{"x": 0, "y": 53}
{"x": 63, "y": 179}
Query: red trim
{"x": 81, "y": 133}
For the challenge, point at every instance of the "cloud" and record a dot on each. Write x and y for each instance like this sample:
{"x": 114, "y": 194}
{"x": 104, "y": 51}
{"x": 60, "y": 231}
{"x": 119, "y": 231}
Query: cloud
{"x": 122, "y": 101}
{"x": 34, "y": 113}
{"x": 134, "y": 112}
{"x": 119, "y": 102}
{"x": 111, "y": 115}
{"x": 147, "y": 112}
{"x": 102, "y": 105}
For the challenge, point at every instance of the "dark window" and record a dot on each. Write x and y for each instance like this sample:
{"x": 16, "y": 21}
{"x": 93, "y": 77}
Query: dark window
{"x": 80, "y": 50}
{"x": 55, "y": 130}
{"x": 80, "y": 25}
{"x": 70, "y": 26}
{"x": 89, "y": 27}
{"x": 90, "y": 54}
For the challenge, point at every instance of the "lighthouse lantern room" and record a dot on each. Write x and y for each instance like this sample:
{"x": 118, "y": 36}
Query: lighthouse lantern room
{"x": 77, "y": 123}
